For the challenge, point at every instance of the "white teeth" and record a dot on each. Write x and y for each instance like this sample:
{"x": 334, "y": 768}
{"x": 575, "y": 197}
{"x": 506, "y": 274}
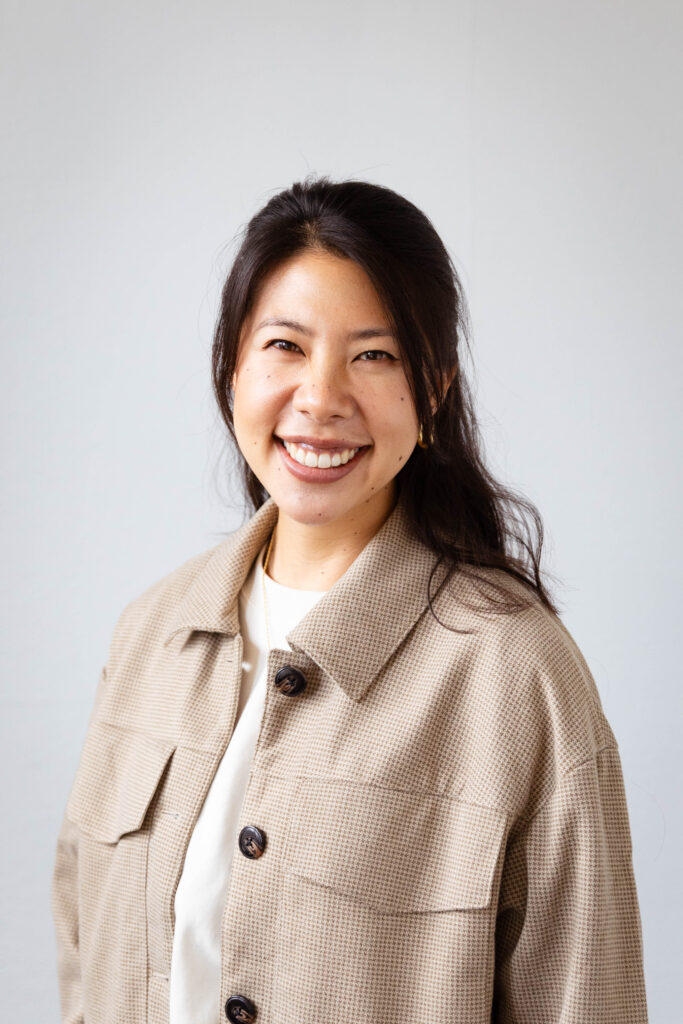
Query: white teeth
{"x": 321, "y": 460}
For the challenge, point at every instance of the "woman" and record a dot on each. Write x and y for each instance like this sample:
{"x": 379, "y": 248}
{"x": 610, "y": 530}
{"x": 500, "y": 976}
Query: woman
{"x": 348, "y": 764}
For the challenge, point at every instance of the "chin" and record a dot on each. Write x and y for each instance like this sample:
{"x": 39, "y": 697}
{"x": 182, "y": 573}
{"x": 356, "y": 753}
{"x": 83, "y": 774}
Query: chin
{"x": 312, "y": 511}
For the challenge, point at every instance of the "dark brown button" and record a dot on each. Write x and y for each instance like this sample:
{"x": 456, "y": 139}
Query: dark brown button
{"x": 290, "y": 681}
{"x": 251, "y": 841}
{"x": 239, "y": 1008}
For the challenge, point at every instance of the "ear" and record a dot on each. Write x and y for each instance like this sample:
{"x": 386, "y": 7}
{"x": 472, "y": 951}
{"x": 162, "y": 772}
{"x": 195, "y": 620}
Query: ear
{"x": 448, "y": 377}
{"x": 446, "y": 381}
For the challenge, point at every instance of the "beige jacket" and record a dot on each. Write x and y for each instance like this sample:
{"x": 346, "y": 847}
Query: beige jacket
{"x": 435, "y": 827}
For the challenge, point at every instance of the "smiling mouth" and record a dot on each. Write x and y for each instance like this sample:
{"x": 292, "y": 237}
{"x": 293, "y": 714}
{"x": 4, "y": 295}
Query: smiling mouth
{"x": 320, "y": 459}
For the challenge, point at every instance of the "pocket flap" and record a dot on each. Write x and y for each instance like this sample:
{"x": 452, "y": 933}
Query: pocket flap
{"x": 117, "y": 777}
{"x": 394, "y": 850}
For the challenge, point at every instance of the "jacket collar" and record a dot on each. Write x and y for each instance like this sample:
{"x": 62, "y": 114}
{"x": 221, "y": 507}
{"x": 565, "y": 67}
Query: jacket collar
{"x": 343, "y": 632}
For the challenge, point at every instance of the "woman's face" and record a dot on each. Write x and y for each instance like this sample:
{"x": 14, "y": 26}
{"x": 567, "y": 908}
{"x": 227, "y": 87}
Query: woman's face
{"x": 331, "y": 375}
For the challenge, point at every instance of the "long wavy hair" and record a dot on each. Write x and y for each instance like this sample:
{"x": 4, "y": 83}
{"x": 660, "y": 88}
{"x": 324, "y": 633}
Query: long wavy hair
{"x": 454, "y": 504}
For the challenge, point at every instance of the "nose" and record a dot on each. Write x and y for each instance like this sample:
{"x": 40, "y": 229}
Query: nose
{"x": 323, "y": 391}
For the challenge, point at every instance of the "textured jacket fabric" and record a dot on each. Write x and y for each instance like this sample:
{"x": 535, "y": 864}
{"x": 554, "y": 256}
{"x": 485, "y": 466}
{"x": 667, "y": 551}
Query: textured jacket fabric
{"x": 195, "y": 980}
{"x": 446, "y": 827}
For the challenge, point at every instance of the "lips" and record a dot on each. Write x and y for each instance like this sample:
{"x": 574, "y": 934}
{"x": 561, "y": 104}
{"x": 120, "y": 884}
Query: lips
{"x": 318, "y": 474}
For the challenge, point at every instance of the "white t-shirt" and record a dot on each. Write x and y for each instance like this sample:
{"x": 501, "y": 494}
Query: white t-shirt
{"x": 195, "y": 981}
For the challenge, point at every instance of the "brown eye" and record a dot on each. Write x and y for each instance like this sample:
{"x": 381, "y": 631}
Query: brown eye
{"x": 376, "y": 351}
{"x": 281, "y": 341}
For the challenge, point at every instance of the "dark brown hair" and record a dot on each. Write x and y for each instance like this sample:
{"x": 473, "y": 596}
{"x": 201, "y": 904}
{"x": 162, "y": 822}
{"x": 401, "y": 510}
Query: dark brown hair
{"x": 454, "y": 504}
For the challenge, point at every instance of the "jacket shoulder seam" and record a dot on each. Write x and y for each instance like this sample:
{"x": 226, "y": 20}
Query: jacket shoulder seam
{"x": 525, "y": 820}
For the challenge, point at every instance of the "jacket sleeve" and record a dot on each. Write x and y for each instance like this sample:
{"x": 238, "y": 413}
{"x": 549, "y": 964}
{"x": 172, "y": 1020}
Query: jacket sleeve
{"x": 568, "y": 935}
{"x": 64, "y": 898}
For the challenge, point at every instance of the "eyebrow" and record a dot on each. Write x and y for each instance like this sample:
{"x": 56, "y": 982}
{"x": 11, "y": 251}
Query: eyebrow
{"x": 294, "y": 325}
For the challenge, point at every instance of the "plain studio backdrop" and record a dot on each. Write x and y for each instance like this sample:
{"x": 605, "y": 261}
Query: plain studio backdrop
{"x": 543, "y": 140}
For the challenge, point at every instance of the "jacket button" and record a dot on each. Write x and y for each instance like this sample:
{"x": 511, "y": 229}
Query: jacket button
{"x": 251, "y": 841}
{"x": 239, "y": 1008}
{"x": 290, "y": 681}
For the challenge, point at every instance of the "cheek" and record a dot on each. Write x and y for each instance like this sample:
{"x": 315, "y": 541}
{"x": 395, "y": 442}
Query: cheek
{"x": 395, "y": 416}
{"x": 257, "y": 399}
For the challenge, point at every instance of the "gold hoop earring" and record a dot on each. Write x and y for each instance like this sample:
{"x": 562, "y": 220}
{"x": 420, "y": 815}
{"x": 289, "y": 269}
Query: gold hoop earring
{"x": 421, "y": 441}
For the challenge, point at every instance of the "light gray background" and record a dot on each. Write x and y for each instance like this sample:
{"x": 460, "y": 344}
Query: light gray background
{"x": 544, "y": 142}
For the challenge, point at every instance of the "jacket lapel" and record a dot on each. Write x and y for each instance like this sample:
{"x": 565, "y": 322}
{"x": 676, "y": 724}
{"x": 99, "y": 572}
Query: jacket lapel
{"x": 358, "y": 623}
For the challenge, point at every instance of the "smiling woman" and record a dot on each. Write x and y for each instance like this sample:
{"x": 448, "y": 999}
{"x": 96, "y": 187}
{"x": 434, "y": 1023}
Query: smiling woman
{"x": 349, "y": 764}
{"x": 323, "y": 270}
{"x": 325, "y": 423}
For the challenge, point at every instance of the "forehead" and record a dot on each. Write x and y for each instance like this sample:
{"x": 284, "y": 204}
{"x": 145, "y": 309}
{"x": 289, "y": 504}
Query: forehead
{"x": 314, "y": 285}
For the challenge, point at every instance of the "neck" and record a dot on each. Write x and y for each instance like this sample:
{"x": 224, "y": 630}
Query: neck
{"x": 313, "y": 557}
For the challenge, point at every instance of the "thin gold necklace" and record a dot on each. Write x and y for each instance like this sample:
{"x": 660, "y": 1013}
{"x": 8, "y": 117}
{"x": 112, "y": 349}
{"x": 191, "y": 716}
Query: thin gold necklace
{"x": 263, "y": 585}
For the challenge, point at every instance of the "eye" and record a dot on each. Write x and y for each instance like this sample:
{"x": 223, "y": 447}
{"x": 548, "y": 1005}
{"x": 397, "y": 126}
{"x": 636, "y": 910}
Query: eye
{"x": 377, "y": 352}
{"x": 281, "y": 341}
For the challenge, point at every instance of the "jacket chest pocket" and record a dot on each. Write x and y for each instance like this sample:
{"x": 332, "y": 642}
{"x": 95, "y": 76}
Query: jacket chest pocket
{"x": 389, "y": 904}
{"x": 111, "y": 802}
